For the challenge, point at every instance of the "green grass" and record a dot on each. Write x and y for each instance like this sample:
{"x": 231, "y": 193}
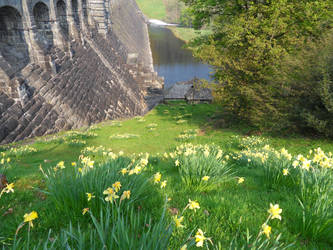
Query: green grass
{"x": 227, "y": 208}
{"x": 153, "y": 9}
{"x": 187, "y": 34}
{"x": 165, "y": 11}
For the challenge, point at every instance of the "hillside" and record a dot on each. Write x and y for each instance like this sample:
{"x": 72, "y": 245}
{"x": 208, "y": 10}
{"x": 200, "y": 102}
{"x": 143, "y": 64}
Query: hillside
{"x": 232, "y": 178}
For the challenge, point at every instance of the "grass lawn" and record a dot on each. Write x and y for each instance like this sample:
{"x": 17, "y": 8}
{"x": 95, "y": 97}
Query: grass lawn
{"x": 228, "y": 207}
{"x": 153, "y": 9}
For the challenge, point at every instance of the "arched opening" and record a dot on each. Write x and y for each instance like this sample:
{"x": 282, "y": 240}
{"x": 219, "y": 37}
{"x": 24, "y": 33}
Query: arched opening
{"x": 62, "y": 17}
{"x": 13, "y": 46}
{"x": 43, "y": 26}
{"x": 75, "y": 11}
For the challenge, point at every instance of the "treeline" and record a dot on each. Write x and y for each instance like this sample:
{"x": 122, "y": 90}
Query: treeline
{"x": 273, "y": 60}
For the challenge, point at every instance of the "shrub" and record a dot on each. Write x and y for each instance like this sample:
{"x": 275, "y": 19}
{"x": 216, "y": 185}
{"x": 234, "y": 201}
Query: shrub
{"x": 308, "y": 87}
{"x": 201, "y": 166}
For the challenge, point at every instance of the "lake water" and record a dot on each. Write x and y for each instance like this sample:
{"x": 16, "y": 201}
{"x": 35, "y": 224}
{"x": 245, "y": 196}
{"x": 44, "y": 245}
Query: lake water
{"x": 171, "y": 60}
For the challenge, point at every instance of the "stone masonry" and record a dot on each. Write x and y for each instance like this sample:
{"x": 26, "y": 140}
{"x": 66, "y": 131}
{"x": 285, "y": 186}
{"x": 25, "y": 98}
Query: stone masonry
{"x": 71, "y": 63}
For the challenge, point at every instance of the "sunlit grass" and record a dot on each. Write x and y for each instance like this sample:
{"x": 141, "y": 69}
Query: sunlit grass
{"x": 228, "y": 207}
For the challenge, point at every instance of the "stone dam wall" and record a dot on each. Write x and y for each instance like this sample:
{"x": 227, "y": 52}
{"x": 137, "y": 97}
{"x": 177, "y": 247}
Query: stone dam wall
{"x": 71, "y": 63}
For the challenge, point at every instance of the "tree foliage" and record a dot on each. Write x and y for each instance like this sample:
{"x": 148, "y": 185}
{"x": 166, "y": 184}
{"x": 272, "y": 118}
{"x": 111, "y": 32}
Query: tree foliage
{"x": 249, "y": 44}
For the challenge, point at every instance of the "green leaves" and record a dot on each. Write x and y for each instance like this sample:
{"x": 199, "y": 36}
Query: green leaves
{"x": 249, "y": 44}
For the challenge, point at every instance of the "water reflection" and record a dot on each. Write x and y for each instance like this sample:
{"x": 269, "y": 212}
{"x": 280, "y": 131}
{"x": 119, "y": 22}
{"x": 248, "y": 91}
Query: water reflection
{"x": 171, "y": 60}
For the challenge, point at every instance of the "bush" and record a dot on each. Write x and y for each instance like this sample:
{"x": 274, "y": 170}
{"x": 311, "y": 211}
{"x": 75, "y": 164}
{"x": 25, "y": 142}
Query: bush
{"x": 202, "y": 166}
{"x": 308, "y": 86}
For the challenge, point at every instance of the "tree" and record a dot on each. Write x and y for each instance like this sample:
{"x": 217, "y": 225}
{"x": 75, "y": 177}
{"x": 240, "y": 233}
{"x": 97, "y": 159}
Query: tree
{"x": 249, "y": 42}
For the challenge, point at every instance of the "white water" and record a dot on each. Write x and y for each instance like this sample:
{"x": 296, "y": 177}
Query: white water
{"x": 160, "y": 23}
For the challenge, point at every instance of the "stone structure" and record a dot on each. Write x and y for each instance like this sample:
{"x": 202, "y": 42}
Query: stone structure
{"x": 191, "y": 91}
{"x": 71, "y": 63}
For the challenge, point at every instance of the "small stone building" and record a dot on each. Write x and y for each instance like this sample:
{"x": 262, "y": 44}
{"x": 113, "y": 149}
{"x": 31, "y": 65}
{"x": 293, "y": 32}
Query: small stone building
{"x": 187, "y": 91}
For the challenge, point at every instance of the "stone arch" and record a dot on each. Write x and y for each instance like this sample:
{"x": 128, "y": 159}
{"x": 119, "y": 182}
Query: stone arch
{"x": 75, "y": 10}
{"x": 13, "y": 46}
{"x": 62, "y": 17}
{"x": 44, "y": 33}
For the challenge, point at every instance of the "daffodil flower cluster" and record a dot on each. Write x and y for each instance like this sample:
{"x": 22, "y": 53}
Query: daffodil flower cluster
{"x": 187, "y": 135}
{"x": 112, "y": 192}
{"x": 157, "y": 180}
{"x": 124, "y": 136}
{"x": 20, "y": 151}
{"x": 274, "y": 213}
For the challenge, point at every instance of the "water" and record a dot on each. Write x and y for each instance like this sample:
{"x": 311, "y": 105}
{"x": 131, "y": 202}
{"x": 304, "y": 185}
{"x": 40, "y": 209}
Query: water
{"x": 171, "y": 60}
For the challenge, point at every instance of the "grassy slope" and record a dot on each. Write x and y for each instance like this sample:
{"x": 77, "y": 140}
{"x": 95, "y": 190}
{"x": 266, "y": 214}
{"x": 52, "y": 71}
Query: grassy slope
{"x": 224, "y": 205}
{"x": 158, "y": 9}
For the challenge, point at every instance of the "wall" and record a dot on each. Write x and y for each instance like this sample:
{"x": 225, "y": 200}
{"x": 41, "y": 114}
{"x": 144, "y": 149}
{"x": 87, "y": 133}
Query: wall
{"x": 71, "y": 63}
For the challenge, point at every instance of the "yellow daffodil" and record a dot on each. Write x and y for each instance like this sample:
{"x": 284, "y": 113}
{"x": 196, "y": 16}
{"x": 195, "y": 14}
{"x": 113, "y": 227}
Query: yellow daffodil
{"x": 205, "y": 178}
{"x": 285, "y": 171}
{"x": 2, "y": 161}
{"x": 116, "y": 186}
{"x": 90, "y": 196}
{"x": 61, "y": 164}
{"x": 184, "y": 247}
{"x": 200, "y": 238}
{"x": 295, "y": 163}
{"x": 30, "y": 217}
{"x": 275, "y": 211}
{"x": 9, "y": 188}
{"x": 241, "y": 180}
{"x": 157, "y": 177}
{"x": 266, "y": 230}
{"x": 85, "y": 210}
{"x": 110, "y": 194}
{"x": 306, "y": 164}
{"x": 163, "y": 184}
{"x": 123, "y": 171}
{"x": 73, "y": 164}
{"x": 178, "y": 221}
{"x": 8, "y": 160}
{"x": 193, "y": 205}
{"x": 177, "y": 163}
{"x": 126, "y": 195}
{"x": 121, "y": 153}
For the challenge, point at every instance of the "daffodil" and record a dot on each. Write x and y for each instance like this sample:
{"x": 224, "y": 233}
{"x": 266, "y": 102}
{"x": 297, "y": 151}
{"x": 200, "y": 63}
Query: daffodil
{"x": 275, "y": 211}
{"x": 126, "y": 195}
{"x": 110, "y": 194}
{"x": 266, "y": 230}
{"x": 163, "y": 184}
{"x": 9, "y": 188}
{"x": 241, "y": 180}
{"x": 193, "y": 205}
{"x": 205, "y": 178}
{"x": 73, "y": 164}
{"x": 295, "y": 163}
{"x": 200, "y": 238}
{"x": 90, "y": 196}
{"x": 85, "y": 210}
{"x": 285, "y": 171}
{"x": 178, "y": 221}
{"x": 61, "y": 164}
{"x": 157, "y": 177}
{"x": 116, "y": 186}
{"x": 177, "y": 163}
{"x": 123, "y": 171}
{"x": 30, "y": 217}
